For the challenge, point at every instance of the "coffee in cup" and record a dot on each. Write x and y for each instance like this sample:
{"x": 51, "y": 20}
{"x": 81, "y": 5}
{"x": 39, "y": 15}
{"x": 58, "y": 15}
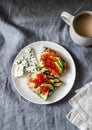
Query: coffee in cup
{"x": 80, "y": 27}
{"x": 83, "y": 25}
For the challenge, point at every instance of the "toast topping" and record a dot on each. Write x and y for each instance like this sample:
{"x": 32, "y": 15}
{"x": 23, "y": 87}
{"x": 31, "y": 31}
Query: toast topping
{"x": 40, "y": 79}
{"x": 49, "y": 61}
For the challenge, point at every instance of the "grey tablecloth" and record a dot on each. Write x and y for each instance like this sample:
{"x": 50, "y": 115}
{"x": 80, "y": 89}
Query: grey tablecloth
{"x": 26, "y": 21}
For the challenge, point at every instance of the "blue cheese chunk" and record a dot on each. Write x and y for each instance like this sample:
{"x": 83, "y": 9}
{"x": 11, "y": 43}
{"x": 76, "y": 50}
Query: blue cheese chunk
{"x": 27, "y": 62}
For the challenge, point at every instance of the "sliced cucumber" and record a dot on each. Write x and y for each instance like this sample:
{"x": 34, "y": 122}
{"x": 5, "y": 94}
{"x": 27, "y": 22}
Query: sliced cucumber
{"x": 41, "y": 64}
{"x": 44, "y": 97}
{"x": 38, "y": 90}
{"x": 50, "y": 86}
{"x": 60, "y": 61}
{"x": 31, "y": 84}
{"x": 59, "y": 67}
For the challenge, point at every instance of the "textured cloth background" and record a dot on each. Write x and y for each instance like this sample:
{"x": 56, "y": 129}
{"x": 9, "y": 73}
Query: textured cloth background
{"x": 26, "y": 21}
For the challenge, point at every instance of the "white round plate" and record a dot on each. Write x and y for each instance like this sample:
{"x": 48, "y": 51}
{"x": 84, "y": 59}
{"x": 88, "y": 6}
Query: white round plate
{"x": 68, "y": 78}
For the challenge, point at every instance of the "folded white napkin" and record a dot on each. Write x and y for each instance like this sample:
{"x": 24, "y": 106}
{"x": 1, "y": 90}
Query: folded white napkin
{"x": 81, "y": 114}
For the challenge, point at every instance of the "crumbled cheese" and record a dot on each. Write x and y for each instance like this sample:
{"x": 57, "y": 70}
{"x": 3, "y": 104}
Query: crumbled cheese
{"x": 26, "y": 63}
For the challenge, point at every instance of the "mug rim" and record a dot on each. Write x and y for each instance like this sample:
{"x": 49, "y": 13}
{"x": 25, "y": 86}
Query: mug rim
{"x": 80, "y": 13}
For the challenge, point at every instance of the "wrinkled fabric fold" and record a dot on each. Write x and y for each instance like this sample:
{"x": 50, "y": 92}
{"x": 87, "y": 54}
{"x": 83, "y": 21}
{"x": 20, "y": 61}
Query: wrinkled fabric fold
{"x": 81, "y": 114}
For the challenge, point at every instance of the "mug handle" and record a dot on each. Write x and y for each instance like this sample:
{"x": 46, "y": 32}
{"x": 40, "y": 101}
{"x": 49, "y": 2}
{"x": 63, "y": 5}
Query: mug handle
{"x": 66, "y": 17}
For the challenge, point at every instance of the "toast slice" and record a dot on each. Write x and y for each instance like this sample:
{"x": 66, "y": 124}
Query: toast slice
{"x": 42, "y": 85}
{"x": 52, "y": 63}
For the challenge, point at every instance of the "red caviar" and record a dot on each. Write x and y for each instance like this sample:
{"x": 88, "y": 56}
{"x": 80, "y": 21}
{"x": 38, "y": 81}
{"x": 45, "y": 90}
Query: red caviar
{"x": 44, "y": 89}
{"x": 49, "y": 62}
{"x": 40, "y": 79}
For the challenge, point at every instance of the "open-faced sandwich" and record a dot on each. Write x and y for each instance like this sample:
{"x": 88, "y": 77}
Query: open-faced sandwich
{"x": 53, "y": 63}
{"x": 43, "y": 86}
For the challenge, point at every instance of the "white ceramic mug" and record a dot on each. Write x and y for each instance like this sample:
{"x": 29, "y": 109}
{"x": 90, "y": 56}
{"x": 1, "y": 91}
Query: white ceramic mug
{"x": 78, "y": 39}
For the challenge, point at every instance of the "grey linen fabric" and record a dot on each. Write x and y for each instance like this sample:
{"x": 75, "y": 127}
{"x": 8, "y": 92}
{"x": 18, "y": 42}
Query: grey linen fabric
{"x": 26, "y": 21}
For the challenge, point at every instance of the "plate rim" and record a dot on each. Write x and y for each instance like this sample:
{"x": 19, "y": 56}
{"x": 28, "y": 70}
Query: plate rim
{"x": 12, "y": 74}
